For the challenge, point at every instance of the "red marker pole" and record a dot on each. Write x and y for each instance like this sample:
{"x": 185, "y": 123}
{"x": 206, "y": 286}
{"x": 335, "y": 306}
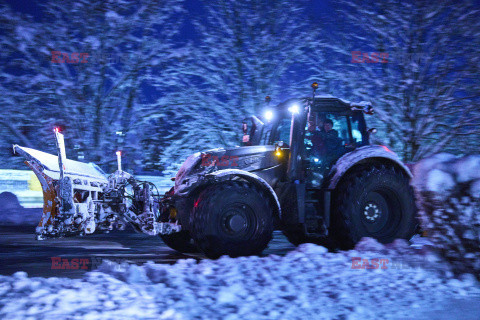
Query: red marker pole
{"x": 62, "y": 155}
{"x": 119, "y": 160}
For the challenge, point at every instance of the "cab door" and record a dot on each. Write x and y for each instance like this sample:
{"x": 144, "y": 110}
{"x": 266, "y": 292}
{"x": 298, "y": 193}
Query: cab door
{"x": 327, "y": 137}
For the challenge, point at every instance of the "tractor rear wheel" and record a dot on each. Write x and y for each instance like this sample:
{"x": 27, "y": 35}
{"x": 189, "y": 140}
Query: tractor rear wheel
{"x": 232, "y": 218}
{"x": 180, "y": 241}
{"x": 377, "y": 202}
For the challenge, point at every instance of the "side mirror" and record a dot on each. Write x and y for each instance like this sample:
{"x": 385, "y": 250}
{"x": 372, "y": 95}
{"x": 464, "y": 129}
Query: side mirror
{"x": 246, "y": 136}
{"x": 252, "y": 134}
{"x": 365, "y": 107}
{"x": 370, "y": 133}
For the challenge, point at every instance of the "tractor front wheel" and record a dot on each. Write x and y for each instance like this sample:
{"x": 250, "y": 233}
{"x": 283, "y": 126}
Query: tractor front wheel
{"x": 232, "y": 218}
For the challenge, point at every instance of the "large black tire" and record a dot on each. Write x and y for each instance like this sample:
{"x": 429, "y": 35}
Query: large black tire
{"x": 180, "y": 241}
{"x": 232, "y": 218}
{"x": 377, "y": 202}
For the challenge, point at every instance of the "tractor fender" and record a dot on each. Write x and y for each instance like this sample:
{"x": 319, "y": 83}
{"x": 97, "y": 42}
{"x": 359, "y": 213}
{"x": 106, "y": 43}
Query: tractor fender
{"x": 363, "y": 155}
{"x": 227, "y": 174}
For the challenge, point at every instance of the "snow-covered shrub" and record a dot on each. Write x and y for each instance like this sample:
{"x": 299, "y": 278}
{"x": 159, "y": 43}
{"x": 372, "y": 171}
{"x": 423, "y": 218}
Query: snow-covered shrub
{"x": 448, "y": 197}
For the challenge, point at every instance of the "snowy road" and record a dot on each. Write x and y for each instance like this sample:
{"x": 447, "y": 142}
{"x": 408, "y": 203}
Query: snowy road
{"x": 19, "y": 251}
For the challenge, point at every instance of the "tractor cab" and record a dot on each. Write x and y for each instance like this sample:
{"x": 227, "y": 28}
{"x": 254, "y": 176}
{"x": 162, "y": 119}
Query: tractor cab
{"x": 327, "y": 129}
{"x": 317, "y": 130}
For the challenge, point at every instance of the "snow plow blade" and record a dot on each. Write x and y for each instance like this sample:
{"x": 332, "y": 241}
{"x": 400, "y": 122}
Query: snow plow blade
{"x": 63, "y": 213}
{"x": 78, "y": 199}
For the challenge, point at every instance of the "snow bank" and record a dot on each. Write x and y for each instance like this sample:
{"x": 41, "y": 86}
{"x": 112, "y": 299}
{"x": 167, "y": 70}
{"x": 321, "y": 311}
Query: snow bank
{"x": 9, "y": 201}
{"x": 307, "y": 283}
{"x": 448, "y": 197}
{"x": 12, "y": 212}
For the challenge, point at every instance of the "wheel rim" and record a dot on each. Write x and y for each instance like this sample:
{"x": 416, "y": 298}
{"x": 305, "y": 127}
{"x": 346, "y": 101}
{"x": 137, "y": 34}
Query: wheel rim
{"x": 238, "y": 221}
{"x": 381, "y": 213}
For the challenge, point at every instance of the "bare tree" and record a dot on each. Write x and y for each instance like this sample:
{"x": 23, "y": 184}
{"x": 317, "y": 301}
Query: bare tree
{"x": 426, "y": 93}
{"x": 244, "y": 51}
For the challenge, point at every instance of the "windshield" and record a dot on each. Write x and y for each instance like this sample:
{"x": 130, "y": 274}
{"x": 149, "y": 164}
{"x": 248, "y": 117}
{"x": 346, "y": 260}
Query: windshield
{"x": 277, "y": 131}
{"x": 283, "y": 130}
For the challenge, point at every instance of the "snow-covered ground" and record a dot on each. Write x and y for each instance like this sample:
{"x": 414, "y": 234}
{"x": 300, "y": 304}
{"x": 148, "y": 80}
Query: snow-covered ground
{"x": 307, "y": 283}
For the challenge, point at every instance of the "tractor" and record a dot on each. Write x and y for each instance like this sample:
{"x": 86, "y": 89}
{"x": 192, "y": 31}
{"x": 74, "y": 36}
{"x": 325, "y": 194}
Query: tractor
{"x": 306, "y": 167}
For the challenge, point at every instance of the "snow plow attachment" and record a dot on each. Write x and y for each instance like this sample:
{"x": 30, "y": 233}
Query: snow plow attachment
{"x": 79, "y": 199}
{"x": 68, "y": 202}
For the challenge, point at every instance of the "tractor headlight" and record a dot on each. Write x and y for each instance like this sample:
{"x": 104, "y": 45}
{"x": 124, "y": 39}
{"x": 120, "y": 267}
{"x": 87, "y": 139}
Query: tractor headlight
{"x": 268, "y": 115}
{"x": 294, "y": 109}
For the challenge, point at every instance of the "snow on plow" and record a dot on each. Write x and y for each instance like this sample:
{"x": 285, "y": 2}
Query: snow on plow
{"x": 79, "y": 199}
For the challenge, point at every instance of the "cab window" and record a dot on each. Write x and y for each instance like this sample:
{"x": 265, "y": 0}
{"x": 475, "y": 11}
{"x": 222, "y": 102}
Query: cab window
{"x": 359, "y": 136}
{"x": 325, "y": 137}
{"x": 283, "y": 130}
{"x": 326, "y": 133}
